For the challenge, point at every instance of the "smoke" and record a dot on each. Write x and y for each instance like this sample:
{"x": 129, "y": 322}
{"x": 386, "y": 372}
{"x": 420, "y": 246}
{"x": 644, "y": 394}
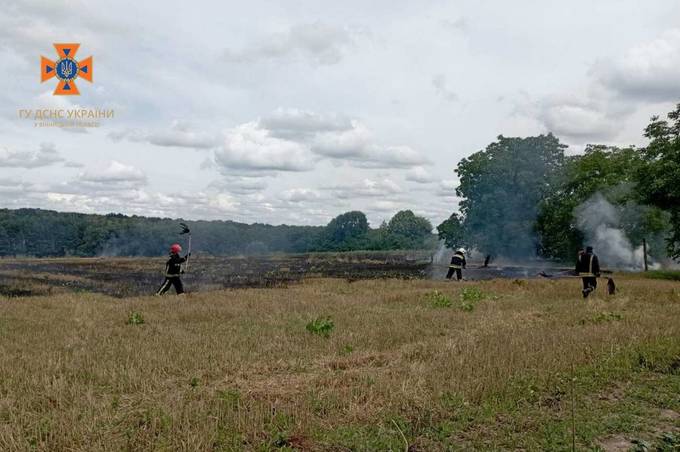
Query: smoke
{"x": 442, "y": 255}
{"x": 600, "y": 222}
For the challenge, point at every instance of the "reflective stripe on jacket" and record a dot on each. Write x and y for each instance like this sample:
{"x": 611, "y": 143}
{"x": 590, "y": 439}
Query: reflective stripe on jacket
{"x": 457, "y": 261}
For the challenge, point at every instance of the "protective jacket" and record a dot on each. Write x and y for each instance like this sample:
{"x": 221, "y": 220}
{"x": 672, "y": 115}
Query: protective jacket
{"x": 588, "y": 265}
{"x": 173, "y": 267}
{"x": 458, "y": 260}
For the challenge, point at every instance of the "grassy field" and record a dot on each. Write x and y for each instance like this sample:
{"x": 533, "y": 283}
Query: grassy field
{"x": 335, "y": 365}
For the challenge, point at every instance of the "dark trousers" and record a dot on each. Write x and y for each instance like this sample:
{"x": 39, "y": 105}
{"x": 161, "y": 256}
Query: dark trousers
{"x": 589, "y": 285}
{"x": 171, "y": 281}
{"x": 457, "y": 271}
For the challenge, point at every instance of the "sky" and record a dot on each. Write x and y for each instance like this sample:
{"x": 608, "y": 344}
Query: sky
{"x": 294, "y": 112}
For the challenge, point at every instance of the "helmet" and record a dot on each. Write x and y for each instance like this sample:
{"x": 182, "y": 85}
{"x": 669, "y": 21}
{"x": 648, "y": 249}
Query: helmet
{"x": 461, "y": 250}
{"x": 175, "y": 248}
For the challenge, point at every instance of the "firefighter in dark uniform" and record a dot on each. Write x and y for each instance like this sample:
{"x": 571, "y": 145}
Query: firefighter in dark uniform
{"x": 588, "y": 268}
{"x": 457, "y": 264}
{"x": 173, "y": 270}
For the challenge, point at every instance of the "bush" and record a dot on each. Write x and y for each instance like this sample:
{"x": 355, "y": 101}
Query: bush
{"x": 469, "y": 297}
{"x": 321, "y": 326}
{"x": 438, "y": 299}
{"x": 135, "y": 318}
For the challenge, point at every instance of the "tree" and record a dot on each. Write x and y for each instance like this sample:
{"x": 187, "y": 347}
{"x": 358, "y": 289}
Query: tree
{"x": 408, "y": 229}
{"x": 451, "y": 231}
{"x": 658, "y": 178}
{"x": 502, "y": 187}
{"x": 605, "y": 169}
{"x": 345, "y": 231}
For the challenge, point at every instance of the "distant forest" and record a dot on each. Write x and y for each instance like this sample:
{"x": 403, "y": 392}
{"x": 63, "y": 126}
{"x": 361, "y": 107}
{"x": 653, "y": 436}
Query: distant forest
{"x": 46, "y": 233}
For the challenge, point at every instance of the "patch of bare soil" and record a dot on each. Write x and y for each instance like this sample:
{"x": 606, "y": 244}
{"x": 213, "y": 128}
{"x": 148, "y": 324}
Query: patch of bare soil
{"x": 615, "y": 443}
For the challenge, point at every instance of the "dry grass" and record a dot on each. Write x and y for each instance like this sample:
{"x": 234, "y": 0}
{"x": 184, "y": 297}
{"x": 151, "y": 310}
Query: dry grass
{"x": 236, "y": 369}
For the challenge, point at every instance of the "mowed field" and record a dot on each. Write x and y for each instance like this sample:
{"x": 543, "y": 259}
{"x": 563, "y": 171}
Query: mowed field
{"x": 337, "y": 364}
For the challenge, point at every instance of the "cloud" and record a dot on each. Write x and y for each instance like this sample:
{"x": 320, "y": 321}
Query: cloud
{"x": 46, "y": 155}
{"x": 367, "y": 188}
{"x": 250, "y": 147}
{"x": 297, "y": 195}
{"x": 441, "y": 87}
{"x": 179, "y": 134}
{"x": 295, "y": 140}
{"x": 357, "y": 145}
{"x": 239, "y": 185}
{"x": 616, "y": 89}
{"x": 579, "y": 122}
{"x": 647, "y": 72}
{"x": 419, "y": 175}
{"x": 316, "y": 43}
{"x": 113, "y": 177}
{"x": 447, "y": 188}
{"x": 293, "y": 123}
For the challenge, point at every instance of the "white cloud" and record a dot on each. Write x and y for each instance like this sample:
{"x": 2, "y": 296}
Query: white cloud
{"x": 317, "y": 43}
{"x": 179, "y": 134}
{"x": 419, "y": 175}
{"x": 239, "y": 185}
{"x": 615, "y": 90}
{"x": 251, "y": 148}
{"x": 447, "y": 188}
{"x": 647, "y": 72}
{"x": 293, "y": 123}
{"x": 46, "y": 155}
{"x": 297, "y": 195}
{"x": 367, "y": 188}
{"x": 112, "y": 177}
{"x": 357, "y": 145}
{"x": 579, "y": 123}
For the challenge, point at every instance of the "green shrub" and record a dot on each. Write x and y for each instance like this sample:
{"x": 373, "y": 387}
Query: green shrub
{"x": 135, "y": 318}
{"x": 438, "y": 299}
{"x": 469, "y": 297}
{"x": 471, "y": 294}
{"x": 321, "y": 326}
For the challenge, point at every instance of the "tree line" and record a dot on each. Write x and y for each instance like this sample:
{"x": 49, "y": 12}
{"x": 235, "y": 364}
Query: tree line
{"x": 525, "y": 197}
{"x": 46, "y": 233}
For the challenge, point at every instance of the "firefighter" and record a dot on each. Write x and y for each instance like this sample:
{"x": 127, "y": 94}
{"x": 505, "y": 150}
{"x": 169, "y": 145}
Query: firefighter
{"x": 173, "y": 270}
{"x": 457, "y": 264}
{"x": 588, "y": 268}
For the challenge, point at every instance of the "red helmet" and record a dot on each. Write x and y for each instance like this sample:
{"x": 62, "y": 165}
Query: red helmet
{"x": 175, "y": 248}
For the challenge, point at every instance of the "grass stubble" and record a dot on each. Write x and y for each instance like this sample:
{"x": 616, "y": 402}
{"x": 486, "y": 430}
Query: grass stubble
{"x": 239, "y": 370}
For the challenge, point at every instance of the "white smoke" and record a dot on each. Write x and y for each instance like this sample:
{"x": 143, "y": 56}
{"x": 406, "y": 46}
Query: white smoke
{"x": 442, "y": 255}
{"x": 600, "y": 222}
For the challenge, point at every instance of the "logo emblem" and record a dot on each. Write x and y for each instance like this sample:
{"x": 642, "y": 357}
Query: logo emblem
{"x": 66, "y": 69}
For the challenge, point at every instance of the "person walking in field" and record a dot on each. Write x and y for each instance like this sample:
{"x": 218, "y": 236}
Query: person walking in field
{"x": 173, "y": 270}
{"x": 588, "y": 268}
{"x": 457, "y": 264}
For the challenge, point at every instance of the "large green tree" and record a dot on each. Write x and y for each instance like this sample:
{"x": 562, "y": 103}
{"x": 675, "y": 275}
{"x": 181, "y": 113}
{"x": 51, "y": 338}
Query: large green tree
{"x": 502, "y": 187}
{"x": 659, "y": 178}
{"x": 408, "y": 230}
{"x": 346, "y": 232}
{"x": 605, "y": 169}
{"x": 451, "y": 232}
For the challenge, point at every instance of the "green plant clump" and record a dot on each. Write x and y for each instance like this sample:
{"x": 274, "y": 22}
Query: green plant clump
{"x": 135, "y": 318}
{"x": 321, "y": 326}
{"x": 438, "y": 299}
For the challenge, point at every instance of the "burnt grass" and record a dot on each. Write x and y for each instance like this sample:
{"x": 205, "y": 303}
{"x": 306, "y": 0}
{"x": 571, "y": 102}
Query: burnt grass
{"x": 126, "y": 277}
